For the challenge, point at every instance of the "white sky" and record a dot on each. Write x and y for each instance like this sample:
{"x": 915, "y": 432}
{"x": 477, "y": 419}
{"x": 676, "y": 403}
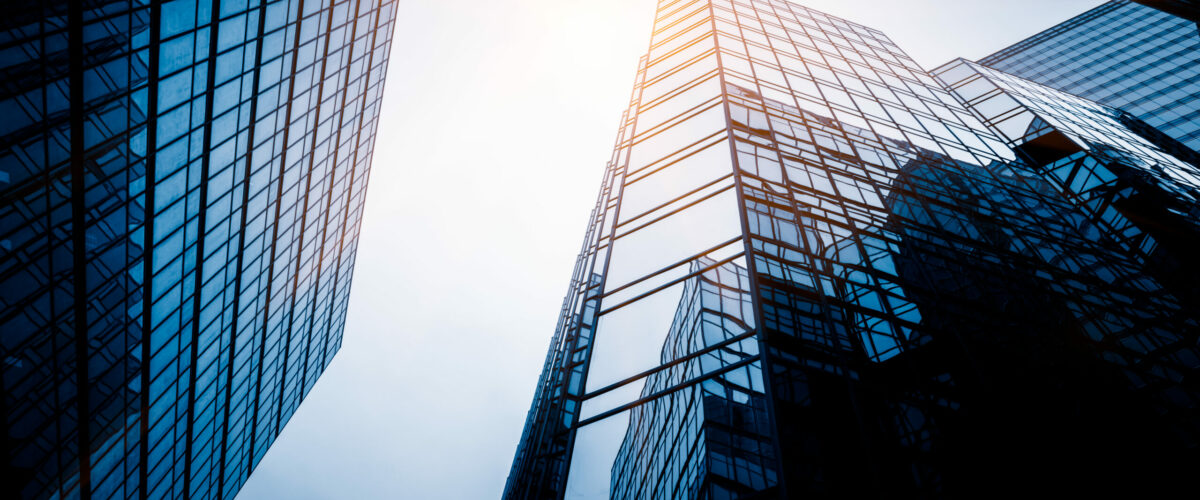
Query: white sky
{"x": 498, "y": 118}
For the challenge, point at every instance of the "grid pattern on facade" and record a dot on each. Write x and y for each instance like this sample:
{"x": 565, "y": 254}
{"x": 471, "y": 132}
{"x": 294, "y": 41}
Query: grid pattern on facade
{"x": 1022, "y": 111}
{"x": 1135, "y": 182}
{"x": 702, "y": 440}
{"x": 73, "y": 142}
{"x": 917, "y": 287}
{"x": 191, "y": 175}
{"x": 1128, "y": 56}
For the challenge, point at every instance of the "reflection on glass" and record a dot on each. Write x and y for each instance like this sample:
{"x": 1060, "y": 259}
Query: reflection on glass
{"x": 181, "y": 185}
{"x": 815, "y": 269}
{"x": 686, "y": 432}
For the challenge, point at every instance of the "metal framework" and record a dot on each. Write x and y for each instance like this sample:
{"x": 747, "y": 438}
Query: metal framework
{"x": 181, "y": 188}
{"x": 1124, "y": 55}
{"x": 815, "y": 268}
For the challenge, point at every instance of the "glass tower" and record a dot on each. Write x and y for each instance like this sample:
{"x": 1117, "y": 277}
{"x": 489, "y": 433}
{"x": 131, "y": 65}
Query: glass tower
{"x": 182, "y": 185}
{"x": 1123, "y": 54}
{"x": 815, "y": 268}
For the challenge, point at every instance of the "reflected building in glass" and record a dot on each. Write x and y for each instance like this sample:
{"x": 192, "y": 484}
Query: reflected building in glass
{"x": 815, "y": 268}
{"x": 182, "y": 184}
{"x": 722, "y": 424}
{"x": 1134, "y": 56}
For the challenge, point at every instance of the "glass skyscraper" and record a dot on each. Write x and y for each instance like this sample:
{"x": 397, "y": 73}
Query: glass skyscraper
{"x": 816, "y": 269}
{"x": 182, "y": 185}
{"x": 1123, "y": 54}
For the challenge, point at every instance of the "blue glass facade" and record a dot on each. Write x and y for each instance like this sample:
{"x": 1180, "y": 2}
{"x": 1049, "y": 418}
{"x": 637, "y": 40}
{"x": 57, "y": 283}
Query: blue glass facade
{"x": 1123, "y": 54}
{"x": 720, "y": 428}
{"x": 182, "y": 185}
{"x": 815, "y": 269}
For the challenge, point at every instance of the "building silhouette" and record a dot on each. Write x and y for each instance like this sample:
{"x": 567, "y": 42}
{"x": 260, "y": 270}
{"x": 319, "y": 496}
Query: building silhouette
{"x": 182, "y": 184}
{"x": 1187, "y": 9}
{"x": 816, "y": 269}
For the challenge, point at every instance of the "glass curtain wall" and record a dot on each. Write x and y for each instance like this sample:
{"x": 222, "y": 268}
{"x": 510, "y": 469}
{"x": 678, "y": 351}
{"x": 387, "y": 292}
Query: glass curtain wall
{"x": 811, "y": 269}
{"x": 182, "y": 186}
{"x": 1122, "y": 54}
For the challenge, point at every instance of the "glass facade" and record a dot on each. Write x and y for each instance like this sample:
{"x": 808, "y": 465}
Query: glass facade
{"x": 1123, "y": 54}
{"x": 815, "y": 268}
{"x": 182, "y": 185}
{"x": 723, "y": 418}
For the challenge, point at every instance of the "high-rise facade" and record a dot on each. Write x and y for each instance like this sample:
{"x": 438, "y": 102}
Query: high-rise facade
{"x": 724, "y": 416}
{"x": 181, "y": 187}
{"x": 1130, "y": 56}
{"x": 815, "y": 268}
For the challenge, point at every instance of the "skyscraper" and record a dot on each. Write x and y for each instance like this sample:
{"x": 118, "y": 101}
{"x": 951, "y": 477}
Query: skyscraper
{"x": 815, "y": 268}
{"x": 1126, "y": 55}
{"x": 182, "y": 184}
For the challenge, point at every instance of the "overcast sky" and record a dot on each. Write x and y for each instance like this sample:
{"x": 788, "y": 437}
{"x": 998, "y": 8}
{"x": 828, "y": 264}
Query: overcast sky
{"x": 497, "y": 120}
